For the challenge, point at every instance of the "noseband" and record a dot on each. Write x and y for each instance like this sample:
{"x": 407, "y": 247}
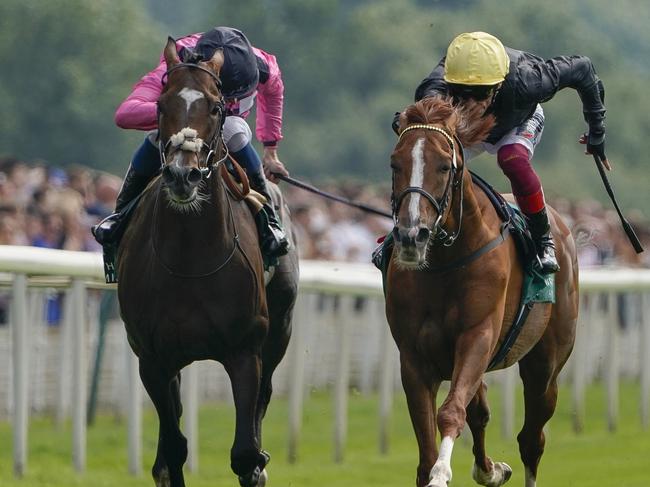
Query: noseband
{"x": 439, "y": 205}
{"x": 189, "y": 141}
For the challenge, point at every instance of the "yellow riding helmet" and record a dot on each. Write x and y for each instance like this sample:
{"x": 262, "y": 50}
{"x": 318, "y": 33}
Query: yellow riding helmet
{"x": 476, "y": 58}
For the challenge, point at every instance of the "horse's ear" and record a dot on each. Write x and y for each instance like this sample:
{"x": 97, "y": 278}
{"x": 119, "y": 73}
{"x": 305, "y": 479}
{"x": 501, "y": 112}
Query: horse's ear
{"x": 400, "y": 121}
{"x": 170, "y": 54}
{"x": 216, "y": 62}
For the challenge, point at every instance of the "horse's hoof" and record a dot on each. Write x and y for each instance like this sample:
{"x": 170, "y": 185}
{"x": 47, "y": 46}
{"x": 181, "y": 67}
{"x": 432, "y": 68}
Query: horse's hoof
{"x": 251, "y": 479}
{"x": 500, "y": 474}
{"x": 264, "y": 477}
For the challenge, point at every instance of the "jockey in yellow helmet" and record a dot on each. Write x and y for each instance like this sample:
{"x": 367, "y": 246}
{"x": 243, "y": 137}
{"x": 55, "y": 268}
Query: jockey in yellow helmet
{"x": 512, "y": 84}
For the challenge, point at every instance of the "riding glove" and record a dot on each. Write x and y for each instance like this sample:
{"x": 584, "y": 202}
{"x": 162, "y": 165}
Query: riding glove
{"x": 596, "y": 142}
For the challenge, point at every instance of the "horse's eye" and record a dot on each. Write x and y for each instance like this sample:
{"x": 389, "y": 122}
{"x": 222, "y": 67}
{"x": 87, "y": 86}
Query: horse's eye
{"x": 394, "y": 168}
{"x": 445, "y": 169}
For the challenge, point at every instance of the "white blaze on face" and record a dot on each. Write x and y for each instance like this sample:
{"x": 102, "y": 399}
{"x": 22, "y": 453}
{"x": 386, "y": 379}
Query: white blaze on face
{"x": 177, "y": 159}
{"x": 417, "y": 179}
{"x": 190, "y": 96}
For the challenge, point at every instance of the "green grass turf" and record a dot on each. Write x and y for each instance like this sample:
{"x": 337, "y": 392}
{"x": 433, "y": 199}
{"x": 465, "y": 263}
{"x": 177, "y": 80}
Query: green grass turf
{"x": 594, "y": 458}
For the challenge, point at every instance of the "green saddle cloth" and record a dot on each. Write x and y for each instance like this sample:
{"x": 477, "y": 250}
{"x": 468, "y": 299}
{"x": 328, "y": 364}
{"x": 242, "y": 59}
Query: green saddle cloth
{"x": 537, "y": 287}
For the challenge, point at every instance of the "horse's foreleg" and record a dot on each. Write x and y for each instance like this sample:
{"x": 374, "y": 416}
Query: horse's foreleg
{"x": 274, "y": 349}
{"x": 420, "y": 397}
{"x": 484, "y": 472}
{"x": 245, "y": 455}
{"x": 471, "y": 356}
{"x": 540, "y": 398}
{"x": 172, "y": 445}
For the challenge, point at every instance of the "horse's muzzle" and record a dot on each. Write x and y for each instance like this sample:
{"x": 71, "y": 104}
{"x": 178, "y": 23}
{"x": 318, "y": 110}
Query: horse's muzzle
{"x": 182, "y": 182}
{"x": 411, "y": 244}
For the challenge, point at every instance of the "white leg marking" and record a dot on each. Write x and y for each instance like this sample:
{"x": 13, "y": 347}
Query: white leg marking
{"x": 417, "y": 178}
{"x": 530, "y": 480}
{"x": 190, "y": 96}
{"x": 440, "y": 474}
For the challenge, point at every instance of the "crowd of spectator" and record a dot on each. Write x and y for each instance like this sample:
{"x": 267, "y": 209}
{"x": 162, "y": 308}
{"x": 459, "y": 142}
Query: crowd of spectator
{"x": 51, "y": 207}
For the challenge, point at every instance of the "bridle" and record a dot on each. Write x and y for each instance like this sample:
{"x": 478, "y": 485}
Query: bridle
{"x": 437, "y": 231}
{"x": 197, "y": 145}
{"x": 209, "y": 147}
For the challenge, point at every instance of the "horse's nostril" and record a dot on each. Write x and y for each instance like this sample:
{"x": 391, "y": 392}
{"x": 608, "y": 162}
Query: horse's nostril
{"x": 423, "y": 235}
{"x": 167, "y": 175}
{"x": 194, "y": 176}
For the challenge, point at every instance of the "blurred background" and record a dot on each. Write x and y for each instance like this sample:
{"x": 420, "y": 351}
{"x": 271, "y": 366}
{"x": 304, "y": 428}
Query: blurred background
{"x": 347, "y": 65}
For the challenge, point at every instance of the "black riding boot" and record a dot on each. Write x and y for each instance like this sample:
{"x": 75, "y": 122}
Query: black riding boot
{"x": 540, "y": 230}
{"x": 273, "y": 240}
{"x": 134, "y": 184}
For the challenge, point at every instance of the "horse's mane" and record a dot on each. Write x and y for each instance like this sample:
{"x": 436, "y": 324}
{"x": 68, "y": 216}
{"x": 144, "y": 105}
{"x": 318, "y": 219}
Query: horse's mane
{"x": 467, "y": 121}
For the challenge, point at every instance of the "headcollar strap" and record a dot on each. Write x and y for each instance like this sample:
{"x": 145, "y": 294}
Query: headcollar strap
{"x": 435, "y": 128}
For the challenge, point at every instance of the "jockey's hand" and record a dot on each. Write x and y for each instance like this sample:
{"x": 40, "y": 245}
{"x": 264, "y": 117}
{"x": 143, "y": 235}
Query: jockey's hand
{"x": 596, "y": 145}
{"x": 272, "y": 164}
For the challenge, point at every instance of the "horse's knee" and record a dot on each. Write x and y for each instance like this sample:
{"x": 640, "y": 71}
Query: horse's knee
{"x": 451, "y": 419}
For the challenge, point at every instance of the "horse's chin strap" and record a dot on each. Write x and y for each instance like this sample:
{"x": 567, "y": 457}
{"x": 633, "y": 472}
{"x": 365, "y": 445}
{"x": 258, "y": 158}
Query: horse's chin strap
{"x": 439, "y": 233}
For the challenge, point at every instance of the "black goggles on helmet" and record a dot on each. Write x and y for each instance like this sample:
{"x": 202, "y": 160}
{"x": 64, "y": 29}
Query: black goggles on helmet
{"x": 475, "y": 92}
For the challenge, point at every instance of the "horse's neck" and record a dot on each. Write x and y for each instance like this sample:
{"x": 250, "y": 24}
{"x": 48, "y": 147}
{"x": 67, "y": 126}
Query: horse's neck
{"x": 208, "y": 230}
{"x": 478, "y": 218}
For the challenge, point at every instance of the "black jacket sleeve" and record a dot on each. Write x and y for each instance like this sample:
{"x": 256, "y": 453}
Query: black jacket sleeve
{"x": 434, "y": 84}
{"x": 540, "y": 80}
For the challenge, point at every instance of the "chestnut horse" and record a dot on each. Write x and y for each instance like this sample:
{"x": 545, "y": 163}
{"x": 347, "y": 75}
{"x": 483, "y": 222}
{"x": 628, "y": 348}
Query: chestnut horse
{"x": 452, "y": 295}
{"x": 192, "y": 278}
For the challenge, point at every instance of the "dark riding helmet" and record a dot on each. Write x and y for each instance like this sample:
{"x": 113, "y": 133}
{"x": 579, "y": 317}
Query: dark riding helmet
{"x": 240, "y": 73}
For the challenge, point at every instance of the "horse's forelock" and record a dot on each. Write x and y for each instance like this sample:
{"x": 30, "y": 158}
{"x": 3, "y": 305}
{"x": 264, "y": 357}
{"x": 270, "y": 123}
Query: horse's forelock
{"x": 433, "y": 110}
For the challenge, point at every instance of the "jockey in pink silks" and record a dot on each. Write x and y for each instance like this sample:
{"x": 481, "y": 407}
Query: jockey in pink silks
{"x": 248, "y": 75}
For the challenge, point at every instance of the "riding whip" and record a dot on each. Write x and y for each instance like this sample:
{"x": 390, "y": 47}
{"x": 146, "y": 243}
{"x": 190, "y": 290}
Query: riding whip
{"x": 634, "y": 240}
{"x": 331, "y": 196}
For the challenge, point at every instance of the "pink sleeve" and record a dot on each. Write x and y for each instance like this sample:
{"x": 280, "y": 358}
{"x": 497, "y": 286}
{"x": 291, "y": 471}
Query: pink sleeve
{"x": 270, "y": 98}
{"x": 139, "y": 110}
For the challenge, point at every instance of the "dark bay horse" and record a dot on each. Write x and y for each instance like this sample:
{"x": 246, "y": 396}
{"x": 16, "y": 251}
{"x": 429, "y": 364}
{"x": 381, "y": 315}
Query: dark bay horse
{"x": 448, "y": 320}
{"x": 192, "y": 279}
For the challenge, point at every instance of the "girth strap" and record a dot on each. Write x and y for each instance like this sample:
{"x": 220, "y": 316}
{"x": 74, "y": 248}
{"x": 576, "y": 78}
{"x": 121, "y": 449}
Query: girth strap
{"x": 463, "y": 261}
